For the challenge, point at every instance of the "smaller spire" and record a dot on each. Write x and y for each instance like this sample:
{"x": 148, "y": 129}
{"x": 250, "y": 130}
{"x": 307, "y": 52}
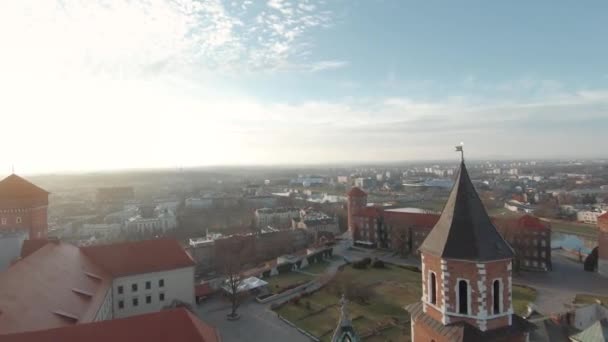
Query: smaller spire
{"x": 344, "y": 331}
{"x": 344, "y": 317}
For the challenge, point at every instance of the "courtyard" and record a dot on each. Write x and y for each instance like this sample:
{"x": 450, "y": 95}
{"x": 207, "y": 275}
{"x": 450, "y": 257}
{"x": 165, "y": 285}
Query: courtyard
{"x": 378, "y": 296}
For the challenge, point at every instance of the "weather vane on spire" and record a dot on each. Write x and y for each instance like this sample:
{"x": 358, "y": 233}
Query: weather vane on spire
{"x": 459, "y": 148}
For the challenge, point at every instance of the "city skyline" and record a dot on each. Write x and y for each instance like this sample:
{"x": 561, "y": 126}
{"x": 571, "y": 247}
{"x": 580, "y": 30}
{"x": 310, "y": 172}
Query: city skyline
{"x": 157, "y": 84}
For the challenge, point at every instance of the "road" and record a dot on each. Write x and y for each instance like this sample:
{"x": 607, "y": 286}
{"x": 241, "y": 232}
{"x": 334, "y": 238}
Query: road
{"x": 557, "y": 289}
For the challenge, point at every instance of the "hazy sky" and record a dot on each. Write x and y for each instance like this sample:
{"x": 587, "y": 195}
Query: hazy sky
{"x": 111, "y": 84}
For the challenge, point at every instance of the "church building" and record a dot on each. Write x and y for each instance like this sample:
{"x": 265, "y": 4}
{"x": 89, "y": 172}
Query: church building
{"x": 466, "y": 276}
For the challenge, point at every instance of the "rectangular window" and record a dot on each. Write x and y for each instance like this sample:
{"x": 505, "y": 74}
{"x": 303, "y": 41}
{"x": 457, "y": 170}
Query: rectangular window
{"x": 161, "y": 283}
{"x": 120, "y": 289}
{"x": 148, "y": 299}
{"x": 3, "y": 221}
{"x": 148, "y": 285}
{"x": 121, "y": 304}
{"x": 135, "y": 301}
{"x": 134, "y": 287}
{"x": 161, "y": 297}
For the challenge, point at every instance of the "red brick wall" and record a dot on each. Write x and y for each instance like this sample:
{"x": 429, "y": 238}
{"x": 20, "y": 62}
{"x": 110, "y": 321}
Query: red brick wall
{"x": 352, "y": 206}
{"x": 471, "y": 272}
{"x": 424, "y": 333}
{"x": 33, "y": 220}
{"x": 39, "y": 223}
{"x": 602, "y": 224}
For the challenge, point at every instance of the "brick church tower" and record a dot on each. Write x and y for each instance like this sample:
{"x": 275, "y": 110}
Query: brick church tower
{"x": 466, "y": 276}
{"x": 356, "y": 200}
{"x": 23, "y": 214}
{"x": 602, "y": 240}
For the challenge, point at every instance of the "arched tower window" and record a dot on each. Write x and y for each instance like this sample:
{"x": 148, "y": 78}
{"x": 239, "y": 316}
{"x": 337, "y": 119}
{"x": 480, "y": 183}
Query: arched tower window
{"x": 433, "y": 288}
{"x": 496, "y": 296}
{"x": 463, "y": 297}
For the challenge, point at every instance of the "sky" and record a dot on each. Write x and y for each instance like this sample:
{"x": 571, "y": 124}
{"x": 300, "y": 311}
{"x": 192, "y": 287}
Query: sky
{"x": 119, "y": 84}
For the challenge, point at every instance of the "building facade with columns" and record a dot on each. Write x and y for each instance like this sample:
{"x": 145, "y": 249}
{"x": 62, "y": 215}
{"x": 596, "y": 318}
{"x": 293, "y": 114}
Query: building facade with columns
{"x": 23, "y": 215}
{"x": 466, "y": 276}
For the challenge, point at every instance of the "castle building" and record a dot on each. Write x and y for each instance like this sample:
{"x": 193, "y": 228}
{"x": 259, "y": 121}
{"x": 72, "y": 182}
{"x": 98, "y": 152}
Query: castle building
{"x": 344, "y": 331}
{"x": 602, "y": 262}
{"x": 23, "y": 214}
{"x": 466, "y": 276}
{"x": 356, "y": 200}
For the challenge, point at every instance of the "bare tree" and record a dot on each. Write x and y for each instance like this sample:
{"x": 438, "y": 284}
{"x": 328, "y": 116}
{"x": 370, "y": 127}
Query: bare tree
{"x": 232, "y": 262}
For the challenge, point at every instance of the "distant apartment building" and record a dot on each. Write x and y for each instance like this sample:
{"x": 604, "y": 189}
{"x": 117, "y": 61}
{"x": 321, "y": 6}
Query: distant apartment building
{"x": 364, "y": 183}
{"x": 151, "y": 219}
{"x": 196, "y": 203}
{"x": 589, "y": 216}
{"x": 316, "y": 223}
{"x": 530, "y": 238}
{"x": 403, "y": 230}
{"x": 100, "y": 230}
{"x": 209, "y": 253}
{"x": 56, "y": 284}
{"x": 262, "y": 201}
{"x": 23, "y": 214}
{"x": 342, "y": 179}
{"x": 276, "y": 217}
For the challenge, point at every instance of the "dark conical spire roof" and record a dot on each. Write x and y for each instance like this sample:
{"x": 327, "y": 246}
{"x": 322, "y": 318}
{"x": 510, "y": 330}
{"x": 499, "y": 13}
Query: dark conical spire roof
{"x": 464, "y": 230}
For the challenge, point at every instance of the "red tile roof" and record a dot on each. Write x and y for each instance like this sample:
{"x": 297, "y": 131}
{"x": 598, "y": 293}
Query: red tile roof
{"x": 604, "y": 216}
{"x": 31, "y": 245}
{"x": 356, "y": 192}
{"x": 163, "y": 326}
{"x": 34, "y": 290}
{"x": 411, "y": 219}
{"x": 522, "y": 222}
{"x": 14, "y": 186}
{"x": 369, "y": 212}
{"x": 129, "y": 258}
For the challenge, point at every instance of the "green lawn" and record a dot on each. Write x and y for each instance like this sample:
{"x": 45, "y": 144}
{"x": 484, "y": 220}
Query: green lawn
{"x": 280, "y": 282}
{"x": 389, "y": 290}
{"x": 522, "y": 296}
{"x": 574, "y": 228}
{"x": 589, "y": 299}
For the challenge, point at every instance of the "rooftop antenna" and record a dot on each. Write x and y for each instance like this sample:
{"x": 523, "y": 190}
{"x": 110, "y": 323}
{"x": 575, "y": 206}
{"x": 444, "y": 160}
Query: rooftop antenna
{"x": 459, "y": 148}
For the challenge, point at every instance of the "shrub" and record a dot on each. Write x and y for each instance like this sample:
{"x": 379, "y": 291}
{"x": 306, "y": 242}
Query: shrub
{"x": 378, "y": 264}
{"x": 307, "y": 305}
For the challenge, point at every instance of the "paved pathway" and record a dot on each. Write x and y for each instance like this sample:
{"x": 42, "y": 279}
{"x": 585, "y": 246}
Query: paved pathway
{"x": 257, "y": 322}
{"x": 556, "y": 289}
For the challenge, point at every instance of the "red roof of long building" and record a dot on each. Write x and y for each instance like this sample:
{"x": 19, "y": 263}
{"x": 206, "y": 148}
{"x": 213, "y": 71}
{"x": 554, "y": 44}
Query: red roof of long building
{"x": 129, "y": 258}
{"x": 29, "y": 246}
{"x": 55, "y": 286}
{"x": 163, "y": 326}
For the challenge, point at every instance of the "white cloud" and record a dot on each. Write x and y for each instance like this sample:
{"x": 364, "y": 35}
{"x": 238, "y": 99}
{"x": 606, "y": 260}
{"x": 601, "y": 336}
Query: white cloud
{"x": 141, "y": 36}
{"x": 327, "y": 65}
